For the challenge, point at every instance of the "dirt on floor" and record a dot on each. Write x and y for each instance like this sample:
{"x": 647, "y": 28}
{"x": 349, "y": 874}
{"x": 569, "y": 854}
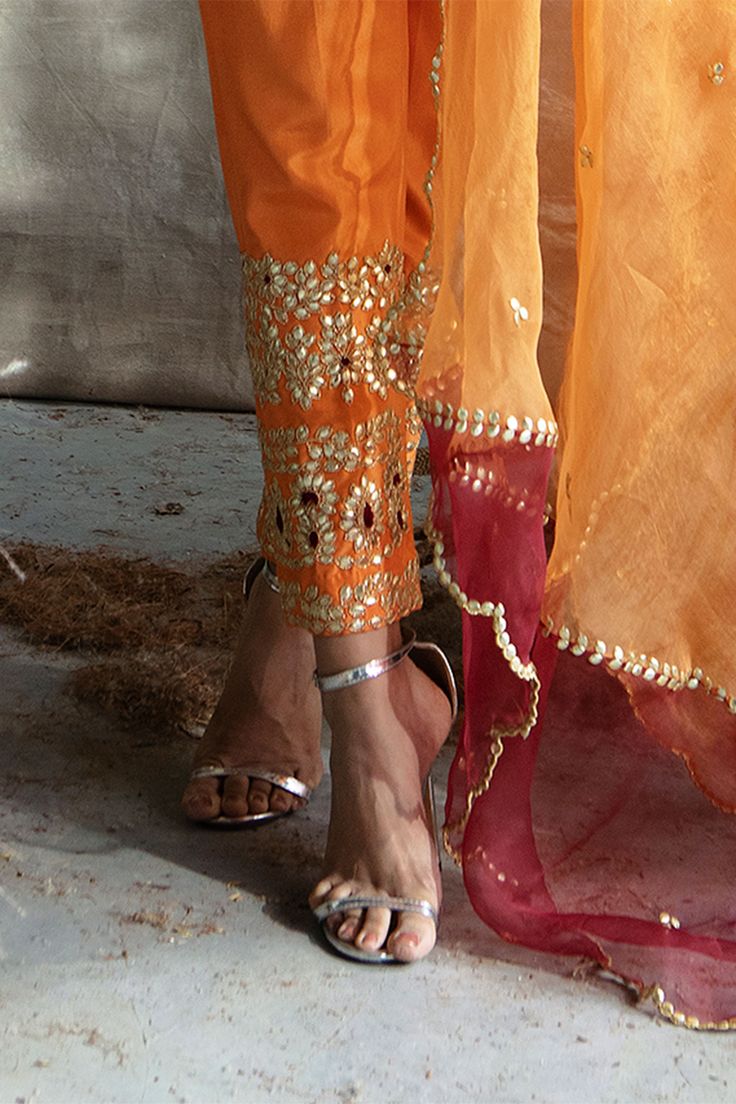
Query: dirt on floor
{"x": 157, "y": 640}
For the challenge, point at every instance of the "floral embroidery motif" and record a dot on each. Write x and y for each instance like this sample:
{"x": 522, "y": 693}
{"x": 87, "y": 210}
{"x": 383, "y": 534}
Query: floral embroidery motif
{"x": 308, "y": 293}
{"x": 265, "y": 363}
{"x": 378, "y": 599}
{"x": 362, "y": 516}
{"x": 365, "y": 284}
{"x": 302, "y": 370}
{"x": 383, "y": 267}
{"x": 521, "y": 314}
{"x": 272, "y": 522}
{"x": 312, "y": 503}
{"x": 345, "y": 355}
{"x": 336, "y": 324}
{"x": 317, "y": 612}
{"x": 717, "y": 73}
{"x": 394, "y": 495}
{"x": 329, "y": 449}
{"x": 312, "y": 514}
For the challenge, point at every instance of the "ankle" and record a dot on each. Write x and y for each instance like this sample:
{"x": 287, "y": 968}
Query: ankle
{"x": 335, "y": 654}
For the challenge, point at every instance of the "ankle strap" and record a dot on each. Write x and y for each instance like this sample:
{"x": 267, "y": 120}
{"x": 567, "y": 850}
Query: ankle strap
{"x": 260, "y": 567}
{"x": 270, "y": 576}
{"x": 370, "y": 670}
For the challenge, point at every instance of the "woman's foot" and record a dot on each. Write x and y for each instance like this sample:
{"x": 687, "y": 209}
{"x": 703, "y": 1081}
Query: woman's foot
{"x": 269, "y": 713}
{"x": 386, "y": 733}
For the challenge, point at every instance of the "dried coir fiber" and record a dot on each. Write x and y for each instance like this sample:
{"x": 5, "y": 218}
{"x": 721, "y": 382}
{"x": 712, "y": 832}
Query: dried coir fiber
{"x": 104, "y": 602}
{"x": 154, "y": 693}
{"x": 159, "y": 639}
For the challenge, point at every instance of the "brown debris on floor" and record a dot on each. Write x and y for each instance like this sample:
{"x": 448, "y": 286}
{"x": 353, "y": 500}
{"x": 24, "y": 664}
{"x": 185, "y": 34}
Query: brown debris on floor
{"x": 158, "y": 639}
{"x": 104, "y": 602}
{"x": 162, "y": 693}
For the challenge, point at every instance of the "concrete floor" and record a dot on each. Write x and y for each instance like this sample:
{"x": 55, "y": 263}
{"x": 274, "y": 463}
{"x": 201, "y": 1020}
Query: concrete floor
{"x": 146, "y": 960}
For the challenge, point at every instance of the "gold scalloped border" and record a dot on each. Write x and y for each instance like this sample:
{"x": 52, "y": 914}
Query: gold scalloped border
{"x": 667, "y": 1010}
{"x": 666, "y": 675}
{"x": 527, "y": 672}
{"x": 542, "y": 433}
{"x": 649, "y": 668}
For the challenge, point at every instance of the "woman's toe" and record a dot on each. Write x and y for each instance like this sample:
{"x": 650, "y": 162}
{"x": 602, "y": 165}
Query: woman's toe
{"x": 374, "y": 929}
{"x": 259, "y": 794}
{"x": 201, "y": 799}
{"x": 281, "y": 801}
{"x": 331, "y": 888}
{"x": 235, "y": 796}
{"x": 320, "y": 892}
{"x": 346, "y": 925}
{"x": 413, "y": 938}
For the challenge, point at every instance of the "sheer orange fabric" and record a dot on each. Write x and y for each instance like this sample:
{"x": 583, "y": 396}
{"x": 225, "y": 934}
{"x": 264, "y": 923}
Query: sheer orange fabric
{"x": 576, "y": 824}
{"x": 579, "y": 834}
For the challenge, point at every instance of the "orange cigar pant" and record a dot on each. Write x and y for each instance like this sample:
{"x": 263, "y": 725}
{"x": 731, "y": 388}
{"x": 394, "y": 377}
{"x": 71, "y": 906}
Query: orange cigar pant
{"x": 327, "y": 127}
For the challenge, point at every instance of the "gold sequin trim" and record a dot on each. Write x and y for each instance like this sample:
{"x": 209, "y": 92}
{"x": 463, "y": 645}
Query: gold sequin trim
{"x": 666, "y": 675}
{"x": 525, "y": 671}
{"x": 486, "y": 479}
{"x": 380, "y": 598}
{"x": 666, "y": 1008}
{"x": 656, "y": 994}
{"x": 489, "y": 423}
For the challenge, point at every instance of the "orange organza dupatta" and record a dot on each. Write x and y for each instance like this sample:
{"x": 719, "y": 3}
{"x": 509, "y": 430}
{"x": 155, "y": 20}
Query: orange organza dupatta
{"x": 571, "y": 802}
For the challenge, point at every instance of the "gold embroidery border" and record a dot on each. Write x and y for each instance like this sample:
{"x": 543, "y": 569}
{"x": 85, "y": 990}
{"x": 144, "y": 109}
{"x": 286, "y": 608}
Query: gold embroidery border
{"x": 542, "y": 433}
{"x": 649, "y": 668}
{"x": 527, "y": 672}
{"x": 666, "y": 1009}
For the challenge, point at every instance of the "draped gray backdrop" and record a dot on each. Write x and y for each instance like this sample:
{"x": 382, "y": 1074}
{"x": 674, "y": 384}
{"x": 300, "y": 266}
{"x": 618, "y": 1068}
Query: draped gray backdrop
{"x": 119, "y": 276}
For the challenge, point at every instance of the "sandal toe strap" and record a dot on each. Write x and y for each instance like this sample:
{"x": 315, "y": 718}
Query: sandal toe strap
{"x": 283, "y": 781}
{"x": 396, "y": 904}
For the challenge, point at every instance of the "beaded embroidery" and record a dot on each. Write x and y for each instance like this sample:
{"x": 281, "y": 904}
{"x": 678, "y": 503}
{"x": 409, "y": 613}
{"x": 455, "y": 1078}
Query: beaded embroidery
{"x": 337, "y": 325}
{"x": 380, "y": 598}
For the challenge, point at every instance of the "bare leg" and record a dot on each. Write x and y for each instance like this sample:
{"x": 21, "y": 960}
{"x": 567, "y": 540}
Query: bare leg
{"x": 386, "y": 733}
{"x": 262, "y": 717}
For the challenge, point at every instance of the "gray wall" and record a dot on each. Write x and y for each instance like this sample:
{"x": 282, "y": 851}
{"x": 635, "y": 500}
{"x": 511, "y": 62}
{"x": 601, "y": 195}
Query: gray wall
{"x": 119, "y": 276}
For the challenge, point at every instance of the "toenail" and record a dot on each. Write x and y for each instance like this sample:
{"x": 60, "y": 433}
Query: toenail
{"x": 407, "y": 937}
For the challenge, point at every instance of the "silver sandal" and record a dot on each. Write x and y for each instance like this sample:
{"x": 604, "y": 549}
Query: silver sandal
{"x": 430, "y": 659}
{"x": 254, "y": 770}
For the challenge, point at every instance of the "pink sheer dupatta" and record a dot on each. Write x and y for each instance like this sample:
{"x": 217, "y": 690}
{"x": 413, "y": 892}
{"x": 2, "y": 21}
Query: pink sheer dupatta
{"x": 598, "y": 687}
